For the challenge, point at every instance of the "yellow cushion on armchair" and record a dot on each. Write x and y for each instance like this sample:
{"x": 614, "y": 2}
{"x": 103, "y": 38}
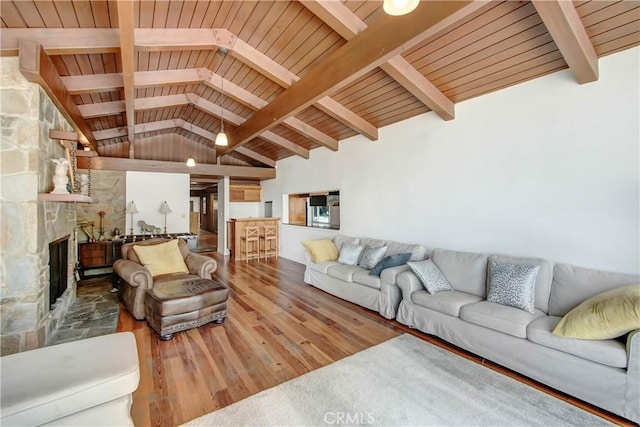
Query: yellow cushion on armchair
{"x": 163, "y": 258}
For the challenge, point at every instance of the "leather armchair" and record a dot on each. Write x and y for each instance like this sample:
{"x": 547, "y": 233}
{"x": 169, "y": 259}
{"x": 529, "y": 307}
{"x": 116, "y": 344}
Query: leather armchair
{"x": 136, "y": 279}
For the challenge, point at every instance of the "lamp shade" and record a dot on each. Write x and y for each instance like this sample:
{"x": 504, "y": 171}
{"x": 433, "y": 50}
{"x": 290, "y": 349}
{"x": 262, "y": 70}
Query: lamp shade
{"x": 131, "y": 208}
{"x": 399, "y": 7}
{"x": 221, "y": 139}
{"x": 164, "y": 208}
{"x": 191, "y": 162}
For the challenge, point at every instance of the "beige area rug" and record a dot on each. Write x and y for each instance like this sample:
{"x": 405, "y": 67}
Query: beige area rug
{"x": 402, "y": 382}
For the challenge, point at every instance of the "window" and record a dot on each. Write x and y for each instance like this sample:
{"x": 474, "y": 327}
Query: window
{"x": 319, "y": 210}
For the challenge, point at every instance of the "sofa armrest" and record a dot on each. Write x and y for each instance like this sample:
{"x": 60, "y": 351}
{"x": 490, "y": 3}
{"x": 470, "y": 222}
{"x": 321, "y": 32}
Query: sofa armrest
{"x": 390, "y": 275}
{"x": 408, "y": 283}
{"x": 133, "y": 273}
{"x": 201, "y": 265}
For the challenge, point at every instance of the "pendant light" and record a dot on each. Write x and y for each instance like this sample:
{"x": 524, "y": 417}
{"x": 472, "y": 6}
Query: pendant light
{"x": 221, "y": 137}
{"x": 191, "y": 162}
{"x": 399, "y": 7}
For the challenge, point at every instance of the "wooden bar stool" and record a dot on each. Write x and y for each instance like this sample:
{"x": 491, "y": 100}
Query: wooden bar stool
{"x": 269, "y": 241}
{"x": 251, "y": 240}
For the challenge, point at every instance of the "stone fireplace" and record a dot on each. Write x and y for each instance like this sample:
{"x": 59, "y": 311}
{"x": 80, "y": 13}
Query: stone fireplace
{"x": 27, "y": 225}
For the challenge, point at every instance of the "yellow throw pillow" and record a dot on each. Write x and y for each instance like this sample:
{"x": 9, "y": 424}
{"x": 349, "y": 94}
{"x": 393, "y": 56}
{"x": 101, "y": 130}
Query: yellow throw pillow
{"x": 608, "y": 315}
{"x": 321, "y": 250}
{"x": 163, "y": 258}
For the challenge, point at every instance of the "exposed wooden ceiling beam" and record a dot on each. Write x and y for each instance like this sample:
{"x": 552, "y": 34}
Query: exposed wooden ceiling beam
{"x": 92, "y": 83}
{"x": 153, "y": 39}
{"x": 383, "y": 40}
{"x": 285, "y": 78}
{"x": 255, "y": 156}
{"x": 100, "y": 109}
{"x": 116, "y": 107}
{"x": 127, "y": 53}
{"x": 568, "y": 32}
{"x": 58, "y": 41}
{"x": 37, "y": 67}
{"x": 83, "y": 84}
{"x": 120, "y": 164}
{"x": 348, "y": 25}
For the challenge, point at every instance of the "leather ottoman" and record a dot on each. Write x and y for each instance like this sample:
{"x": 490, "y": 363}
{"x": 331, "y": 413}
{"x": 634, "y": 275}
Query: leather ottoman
{"x": 183, "y": 305}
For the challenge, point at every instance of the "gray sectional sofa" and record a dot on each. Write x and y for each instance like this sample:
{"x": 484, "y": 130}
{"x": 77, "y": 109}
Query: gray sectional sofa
{"x": 355, "y": 284}
{"x": 605, "y": 373}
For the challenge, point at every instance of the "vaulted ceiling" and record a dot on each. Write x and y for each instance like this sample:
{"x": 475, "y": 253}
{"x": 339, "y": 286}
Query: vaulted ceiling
{"x": 142, "y": 81}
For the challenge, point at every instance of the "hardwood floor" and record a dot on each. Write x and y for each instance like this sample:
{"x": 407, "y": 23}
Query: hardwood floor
{"x": 278, "y": 328}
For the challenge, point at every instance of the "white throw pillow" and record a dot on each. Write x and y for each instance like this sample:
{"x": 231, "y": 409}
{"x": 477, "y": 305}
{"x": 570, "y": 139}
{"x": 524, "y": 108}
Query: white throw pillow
{"x": 350, "y": 254}
{"x": 430, "y": 276}
{"x": 513, "y": 285}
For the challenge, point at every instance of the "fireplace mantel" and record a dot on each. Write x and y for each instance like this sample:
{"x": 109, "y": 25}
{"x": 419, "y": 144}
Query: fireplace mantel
{"x": 49, "y": 197}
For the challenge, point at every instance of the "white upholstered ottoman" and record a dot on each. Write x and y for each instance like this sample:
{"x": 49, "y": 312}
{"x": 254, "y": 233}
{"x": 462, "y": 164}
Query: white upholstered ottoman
{"x": 82, "y": 383}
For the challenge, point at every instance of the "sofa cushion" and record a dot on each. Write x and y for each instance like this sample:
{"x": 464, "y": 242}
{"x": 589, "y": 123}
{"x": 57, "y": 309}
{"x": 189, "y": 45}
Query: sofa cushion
{"x": 604, "y": 316}
{"x": 321, "y": 250}
{"x": 350, "y": 254}
{"x": 607, "y": 352}
{"x": 444, "y": 302}
{"x": 418, "y": 252}
{"x": 341, "y": 240}
{"x": 364, "y": 278}
{"x": 322, "y": 267}
{"x": 390, "y": 261}
{"x": 163, "y": 258}
{"x": 371, "y": 255}
{"x": 344, "y": 272}
{"x": 544, "y": 277}
{"x": 512, "y": 284}
{"x": 430, "y": 276}
{"x": 501, "y": 318}
{"x": 364, "y": 241}
{"x": 572, "y": 285}
{"x": 467, "y": 272}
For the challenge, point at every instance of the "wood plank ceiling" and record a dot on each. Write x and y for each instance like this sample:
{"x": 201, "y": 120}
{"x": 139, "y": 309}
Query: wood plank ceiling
{"x": 149, "y": 72}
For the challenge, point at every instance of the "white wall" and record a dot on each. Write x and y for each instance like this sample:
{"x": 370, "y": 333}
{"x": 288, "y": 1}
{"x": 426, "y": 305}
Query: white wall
{"x": 148, "y": 190}
{"x": 547, "y": 168}
{"x": 244, "y": 209}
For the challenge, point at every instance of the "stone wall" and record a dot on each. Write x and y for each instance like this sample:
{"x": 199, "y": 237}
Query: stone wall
{"x": 28, "y": 225}
{"x": 108, "y": 191}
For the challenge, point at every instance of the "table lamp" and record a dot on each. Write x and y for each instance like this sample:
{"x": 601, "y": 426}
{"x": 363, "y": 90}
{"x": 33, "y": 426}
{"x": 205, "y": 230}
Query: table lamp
{"x": 165, "y": 209}
{"x": 131, "y": 209}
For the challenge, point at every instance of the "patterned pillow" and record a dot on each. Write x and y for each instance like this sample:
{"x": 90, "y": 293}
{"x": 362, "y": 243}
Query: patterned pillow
{"x": 430, "y": 276}
{"x": 350, "y": 254}
{"x": 371, "y": 255}
{"x": 512, "y": 285}
{"x": 388, "y": 262}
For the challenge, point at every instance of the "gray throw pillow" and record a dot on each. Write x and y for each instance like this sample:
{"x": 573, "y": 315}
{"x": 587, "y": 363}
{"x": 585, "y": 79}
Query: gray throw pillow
{"x": 430, "y": 276}
{"x": 350, "y": 254}
{"x": 371, "y": 255}
{"x": 512, "y": 285}
{"x": 390, "y": 261}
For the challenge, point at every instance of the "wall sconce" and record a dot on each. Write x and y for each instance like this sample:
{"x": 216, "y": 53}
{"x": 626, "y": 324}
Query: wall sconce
{"x": 131, "y": 209}
{"x": 165, "y": 209}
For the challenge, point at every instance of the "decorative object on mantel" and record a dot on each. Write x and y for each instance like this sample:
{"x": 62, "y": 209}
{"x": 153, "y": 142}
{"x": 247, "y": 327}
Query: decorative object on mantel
{"x": 101, "y": 238}
{"x": 115, "y": 234}
{"x": 131, "y": 209}
{"x": 83, "y": 226}
{"x": 148, "y": 228}
{"x": 60, "y": 179}
{"x": 68, "y": 140}
{"x": 165, "y": 209}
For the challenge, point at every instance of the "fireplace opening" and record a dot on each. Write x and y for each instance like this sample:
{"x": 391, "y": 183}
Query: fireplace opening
{"x": 58, "y": 261}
